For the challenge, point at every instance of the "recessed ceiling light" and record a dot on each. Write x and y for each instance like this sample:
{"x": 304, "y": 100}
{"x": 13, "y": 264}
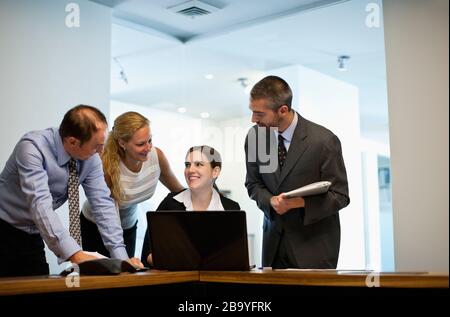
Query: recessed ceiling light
{"x": 204, "y": 115}
{"x": 181, "y": 110}
{"x": 209, "y": 76}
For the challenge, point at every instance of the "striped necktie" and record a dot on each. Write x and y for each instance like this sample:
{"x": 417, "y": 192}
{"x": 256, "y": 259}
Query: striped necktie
{"x": 281, "y": 151}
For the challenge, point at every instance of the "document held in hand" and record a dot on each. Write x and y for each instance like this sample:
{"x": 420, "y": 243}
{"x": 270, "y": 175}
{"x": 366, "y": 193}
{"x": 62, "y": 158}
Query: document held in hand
{"x": 309, "y": 190}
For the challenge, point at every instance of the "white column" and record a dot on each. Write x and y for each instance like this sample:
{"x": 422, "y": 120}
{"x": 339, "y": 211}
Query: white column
{"x": 416, "y": 35}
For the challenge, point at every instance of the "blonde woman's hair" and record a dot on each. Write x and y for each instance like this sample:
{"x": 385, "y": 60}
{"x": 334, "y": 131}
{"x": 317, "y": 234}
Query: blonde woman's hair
{"x": 124, "y": 127}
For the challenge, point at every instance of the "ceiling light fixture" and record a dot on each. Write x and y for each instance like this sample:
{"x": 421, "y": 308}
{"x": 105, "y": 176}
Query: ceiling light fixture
{"x": 341, "y": 62}
{"x": 204, "y": 115}
{"x": 181, "y": 110}
{"x": 209, "y": 76}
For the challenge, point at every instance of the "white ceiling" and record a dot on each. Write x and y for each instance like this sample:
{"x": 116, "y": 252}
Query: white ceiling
{"x": 157, "y": 14}
{"x": 166, "y": 55}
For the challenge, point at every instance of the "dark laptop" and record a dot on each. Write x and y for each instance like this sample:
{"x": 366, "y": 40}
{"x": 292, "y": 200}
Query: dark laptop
{"x": 206, "y": 240}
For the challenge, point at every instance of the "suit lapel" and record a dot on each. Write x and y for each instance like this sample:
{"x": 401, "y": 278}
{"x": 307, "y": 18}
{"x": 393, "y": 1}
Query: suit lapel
{"x": 296, "y": 149}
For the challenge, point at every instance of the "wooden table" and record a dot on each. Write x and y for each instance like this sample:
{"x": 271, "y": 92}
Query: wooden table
{"x": 212, "y": 280}
{"x": 56, "y": 283}
{"x": 337, "y": 278}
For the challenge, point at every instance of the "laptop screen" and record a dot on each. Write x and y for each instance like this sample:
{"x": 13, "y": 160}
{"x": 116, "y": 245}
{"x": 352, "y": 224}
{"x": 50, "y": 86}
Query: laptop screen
{"x": 206, "y": 240}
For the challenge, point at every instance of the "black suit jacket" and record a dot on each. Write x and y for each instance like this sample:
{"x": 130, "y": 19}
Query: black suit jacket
{"x": 311, "y": 234}
{"x": 169, "y": 203}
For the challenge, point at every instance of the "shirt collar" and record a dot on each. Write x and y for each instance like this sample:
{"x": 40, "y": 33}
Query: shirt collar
{"x": 289, "y": 132}
{"x": 185, "y": 198}
{"x": 62, "y": 155}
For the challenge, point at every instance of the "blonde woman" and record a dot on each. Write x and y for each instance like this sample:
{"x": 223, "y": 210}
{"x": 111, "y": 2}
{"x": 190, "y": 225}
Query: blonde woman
{"x": 132, "y": 168}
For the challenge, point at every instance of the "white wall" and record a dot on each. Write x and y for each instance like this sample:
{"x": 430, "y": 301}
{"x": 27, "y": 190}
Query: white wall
{"x": 334, "y": 104}
{"x": 46, "y": 68}
{"x": 416, "y": 35}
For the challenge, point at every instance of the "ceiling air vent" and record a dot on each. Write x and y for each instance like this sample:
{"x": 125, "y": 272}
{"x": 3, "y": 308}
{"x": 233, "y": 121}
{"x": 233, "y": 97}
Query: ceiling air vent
{"x": 193, "y": 8}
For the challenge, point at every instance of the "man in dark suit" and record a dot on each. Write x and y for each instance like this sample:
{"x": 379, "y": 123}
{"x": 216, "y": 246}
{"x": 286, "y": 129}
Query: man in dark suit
{"x": 302, "y": 232}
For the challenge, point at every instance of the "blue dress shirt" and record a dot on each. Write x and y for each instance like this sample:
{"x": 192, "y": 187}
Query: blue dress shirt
{"x": 33, "y": 185}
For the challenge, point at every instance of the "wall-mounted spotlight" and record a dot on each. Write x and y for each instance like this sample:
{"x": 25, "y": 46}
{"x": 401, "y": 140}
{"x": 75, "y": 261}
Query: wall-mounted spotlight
{"x": 341, "y": 62}
{"x": 243, "y": 81}
{"x": 122, "y": 74}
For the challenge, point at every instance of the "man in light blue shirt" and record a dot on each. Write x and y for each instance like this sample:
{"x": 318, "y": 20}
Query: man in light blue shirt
{"x": 34, "y": 184}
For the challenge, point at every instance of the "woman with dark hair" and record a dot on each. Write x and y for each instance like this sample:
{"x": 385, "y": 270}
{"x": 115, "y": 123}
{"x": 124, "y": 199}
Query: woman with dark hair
{"x": 202, "y": 168}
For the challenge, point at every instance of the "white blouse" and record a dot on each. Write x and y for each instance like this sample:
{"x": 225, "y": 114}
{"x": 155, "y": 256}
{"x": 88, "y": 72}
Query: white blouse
{"x": 136, "y": 187}
{"x": 185, "y": 198}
